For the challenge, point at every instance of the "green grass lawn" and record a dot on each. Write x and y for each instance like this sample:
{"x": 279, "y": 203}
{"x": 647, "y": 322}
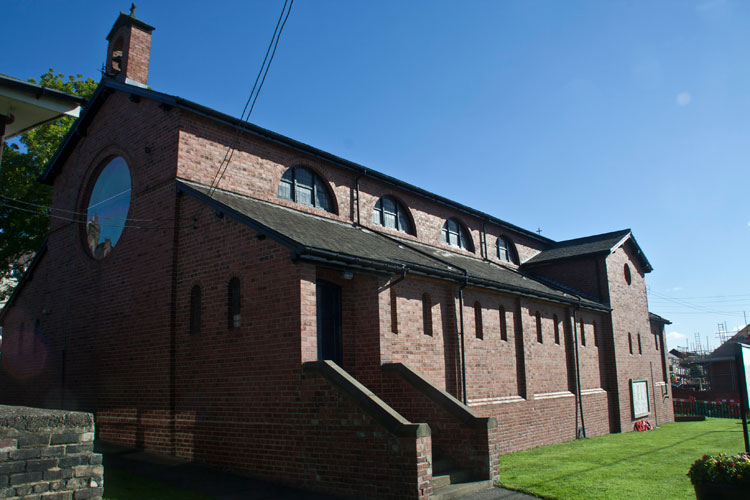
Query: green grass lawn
{"x": 634, "y": 465}
{"x": 122, "y": 485}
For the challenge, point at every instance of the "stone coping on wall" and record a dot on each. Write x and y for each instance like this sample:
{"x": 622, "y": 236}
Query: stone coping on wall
{"x": 440, "y": 396}
{"x": 367, "y": 400}
{"x": 48, "y": 454}
{"x": 24, "y": 418}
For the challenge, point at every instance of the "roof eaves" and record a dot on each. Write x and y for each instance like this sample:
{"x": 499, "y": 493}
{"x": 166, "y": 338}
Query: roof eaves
{"x": 223, "y": 209}
{"x": 170, "y": 100}
{"x": 78, "y": 130}
{"x": 646, "y": 264}
{"x": 531, "y": 264}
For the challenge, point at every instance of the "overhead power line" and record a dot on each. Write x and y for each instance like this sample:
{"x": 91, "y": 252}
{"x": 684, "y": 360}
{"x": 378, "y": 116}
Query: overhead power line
{"x": 254, "y": 93}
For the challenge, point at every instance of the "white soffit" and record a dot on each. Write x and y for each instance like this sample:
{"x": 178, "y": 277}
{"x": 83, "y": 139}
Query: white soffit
{"x": 32, "y": 105}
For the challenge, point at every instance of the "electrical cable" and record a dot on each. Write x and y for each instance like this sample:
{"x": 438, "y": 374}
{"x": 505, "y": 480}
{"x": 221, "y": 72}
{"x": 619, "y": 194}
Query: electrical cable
{"x": 79, "y": 221}
{"x": 224, "y": 165}
{"x": 73, "y": 212}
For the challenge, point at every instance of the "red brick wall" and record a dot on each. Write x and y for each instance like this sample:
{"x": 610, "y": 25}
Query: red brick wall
{"x": 586, "y": 274}
{"x": 630, "y": 315}
{"x": 492, "y": 385}
{"x": 469, "y": 445}
{"x": 257, "y": 167}
{"x": 136, "y": 47}
{"x": 113, "y": 316}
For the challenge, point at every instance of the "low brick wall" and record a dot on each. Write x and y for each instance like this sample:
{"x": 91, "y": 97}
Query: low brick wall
{"x": 48, "y": 455}
{"x": 457, "y": 433}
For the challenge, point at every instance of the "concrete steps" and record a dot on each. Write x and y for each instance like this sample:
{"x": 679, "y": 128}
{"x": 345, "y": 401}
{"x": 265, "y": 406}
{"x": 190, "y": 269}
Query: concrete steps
{"x": 449, "y": 482}
{"x": 460, "y": 490}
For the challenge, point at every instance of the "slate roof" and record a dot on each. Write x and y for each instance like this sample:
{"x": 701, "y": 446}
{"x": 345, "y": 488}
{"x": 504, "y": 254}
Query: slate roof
{"x": 322, "y": 240}
{"x": 588, "y": 246}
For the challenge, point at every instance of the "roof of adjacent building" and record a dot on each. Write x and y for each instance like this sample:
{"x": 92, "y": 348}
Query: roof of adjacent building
{"x": 727, "y": 350}
{"x": 32, "y": 105}
{"x": 599, "y": 244}
{"x": 341, "y": 244}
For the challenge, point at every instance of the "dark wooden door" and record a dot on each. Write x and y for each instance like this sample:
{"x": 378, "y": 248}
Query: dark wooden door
{"x": 329, "y": 321}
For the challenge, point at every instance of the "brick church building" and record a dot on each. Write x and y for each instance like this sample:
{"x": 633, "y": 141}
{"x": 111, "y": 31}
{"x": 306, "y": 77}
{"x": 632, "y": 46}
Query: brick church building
{"x": 311, "y": 321}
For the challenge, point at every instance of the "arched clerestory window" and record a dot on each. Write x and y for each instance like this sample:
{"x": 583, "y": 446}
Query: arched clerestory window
{"x": 506, "y": 250}
{"x": 455, "y": 234}
{"x": 303, "y": 186}
{"x": 389, "y": 212}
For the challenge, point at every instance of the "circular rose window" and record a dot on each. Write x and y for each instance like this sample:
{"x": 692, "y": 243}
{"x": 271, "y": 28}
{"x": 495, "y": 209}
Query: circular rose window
{"x": 108, "y": 208}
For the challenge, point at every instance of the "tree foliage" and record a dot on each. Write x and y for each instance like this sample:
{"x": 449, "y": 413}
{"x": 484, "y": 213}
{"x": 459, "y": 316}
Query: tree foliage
{"x": 24, "y": 218}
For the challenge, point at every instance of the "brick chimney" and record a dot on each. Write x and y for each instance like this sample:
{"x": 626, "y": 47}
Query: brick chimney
{"x": 129, "y": 50}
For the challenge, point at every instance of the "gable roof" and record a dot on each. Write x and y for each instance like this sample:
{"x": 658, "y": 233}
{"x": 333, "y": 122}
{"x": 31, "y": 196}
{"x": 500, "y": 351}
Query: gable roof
{"x": 107, "y": 86}
{"x": 599, "y": 244}
{"x": 334, "y": 243}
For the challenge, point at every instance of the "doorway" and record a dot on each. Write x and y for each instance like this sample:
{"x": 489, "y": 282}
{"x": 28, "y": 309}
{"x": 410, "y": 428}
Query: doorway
{"x": 328, "y": 309}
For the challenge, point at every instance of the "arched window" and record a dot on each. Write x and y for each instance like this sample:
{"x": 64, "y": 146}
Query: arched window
{"x": 583, "y": 333}
{"x": 234, "y": 316}
{"x": 389, "y": 212}
{"x": 539, "y": 337}
{"x": 503, "y": 325}
{"x": 455, "y": 234}
{"x": 116, "y": 62}
{"x": 302, "y": 185}
{"x": 195, "y": 310}
{"x": 394, "y": 310}
{"x": 506, "y": 250}
{"x": 427, "y": 314}
{"x": 596, "y": 335}
{"x": 656, "y": 341}
{"x": 478, "y": 327}
{"x": 37, "y": 337}
{"x": 557, "y": 329}
{"x": 20, "y": 338}
{"x": 640, "y": 347}
{"x": 630, "y": 343}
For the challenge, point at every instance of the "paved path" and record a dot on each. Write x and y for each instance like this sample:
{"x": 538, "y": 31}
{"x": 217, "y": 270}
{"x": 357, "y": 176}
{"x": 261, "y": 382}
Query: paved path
{"x": 225, "y": 485}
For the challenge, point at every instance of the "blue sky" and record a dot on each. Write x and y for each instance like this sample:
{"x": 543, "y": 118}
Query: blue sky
{"x": 574, "y": 117}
